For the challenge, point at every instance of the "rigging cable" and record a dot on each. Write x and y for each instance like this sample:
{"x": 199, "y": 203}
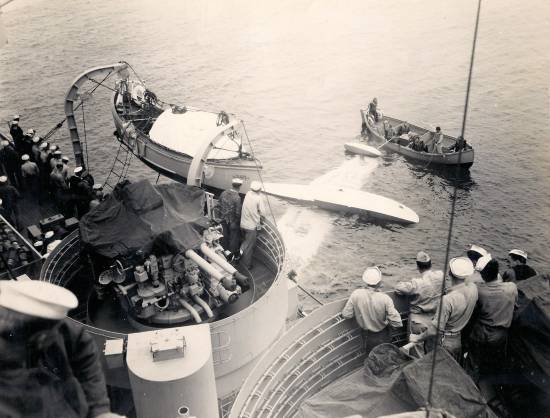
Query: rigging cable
{"x": 259, "y": 172}
{"x": 453, "y": 209}
{"x": 85, "y": 137}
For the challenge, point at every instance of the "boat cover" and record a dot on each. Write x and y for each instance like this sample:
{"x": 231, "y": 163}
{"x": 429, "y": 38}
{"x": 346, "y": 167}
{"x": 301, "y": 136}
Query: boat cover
{"x": 142, "y": 216}
{"x": 530, "y": 332}
{"x": 392, "y": 382}
{"x": 184, "y": 132}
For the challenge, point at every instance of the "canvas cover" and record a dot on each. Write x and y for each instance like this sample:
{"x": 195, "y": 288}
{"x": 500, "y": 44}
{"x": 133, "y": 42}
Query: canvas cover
{"x": 392, "y": 382}
{"x": 530, "y": 332}
{"x": 185, "y": 132}
{"x": 142, "y": 216}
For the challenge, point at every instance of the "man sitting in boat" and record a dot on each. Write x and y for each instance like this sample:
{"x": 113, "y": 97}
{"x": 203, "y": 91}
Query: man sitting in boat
{"x": 372, "y": 109}
{"x": 460, "y": 145}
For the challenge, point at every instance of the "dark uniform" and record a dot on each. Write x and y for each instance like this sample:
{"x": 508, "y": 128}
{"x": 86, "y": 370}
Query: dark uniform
{"x": 82, "y": 194}
{"x": 230, "y": 208}
{"x": 11, "y": 162}
{"x": 17, "y": 134}
{"x": 9, "y": 195}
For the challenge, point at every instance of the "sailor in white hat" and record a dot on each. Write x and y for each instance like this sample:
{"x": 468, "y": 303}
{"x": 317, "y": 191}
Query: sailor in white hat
{"x": 230, "y": 211}
{"x": 475, "y": 252}
{"x": 495, "y": 310}
{"x": 252, "y": 214}
{"x": 519, "y": 269}
{"x": 373, "y": 310}
{"x": 30, "y": 176}
{"x": 56, "y": 159}
{"x": 34, "y": 336}
{"x": 424, "y": 293}
{"x": 456, "y": 307}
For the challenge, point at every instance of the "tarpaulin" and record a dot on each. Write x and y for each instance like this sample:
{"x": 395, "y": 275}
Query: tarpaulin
{"x": 392, "y": 382}
{"x": 142, "y": 216}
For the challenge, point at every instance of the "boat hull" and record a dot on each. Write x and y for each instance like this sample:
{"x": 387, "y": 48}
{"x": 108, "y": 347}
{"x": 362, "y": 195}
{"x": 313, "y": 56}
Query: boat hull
{"x": 464, "y": 159}
{"x": 217, "y": 174}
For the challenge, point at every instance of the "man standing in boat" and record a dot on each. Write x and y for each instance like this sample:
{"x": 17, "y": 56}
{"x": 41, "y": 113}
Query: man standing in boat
{"x": 373, "y": 109}
{"x": 373, "y": 310}
{"x": 251, "y": 221}
{"x": 424, "y": 293}
{"x": 456, "y": 308}
{"x": 230, "y": 211}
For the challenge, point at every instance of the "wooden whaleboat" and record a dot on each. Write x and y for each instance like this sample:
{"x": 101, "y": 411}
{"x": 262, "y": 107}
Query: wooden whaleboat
{"x": 401, "y": 144}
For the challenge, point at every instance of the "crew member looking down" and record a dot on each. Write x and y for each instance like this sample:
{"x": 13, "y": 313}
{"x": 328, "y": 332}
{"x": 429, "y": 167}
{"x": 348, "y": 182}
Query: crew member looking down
{"x": 474, "y": 254}
{"x": 373, "y": 310}
{"x": 456, "y": 308}
{"x": 230, "y": 211}
{"x": 492, "y": 318}
{"x": 424, "y": 293}
{"x": 49, "y": 366}
{"x": 252, "y": 212}
{"x": 30, "y": 176}
{"x": 519, "y": 269}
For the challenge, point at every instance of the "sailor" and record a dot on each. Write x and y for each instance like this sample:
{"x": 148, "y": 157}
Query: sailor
{"x": 49, "y": 366}
{"x": 44, "y": 167}
{"x": 30, "y": 176}
{"x": 519, "y": 269}
{"x": 252, "y": 214}
{"x": 65, "y": 161}
{"x": 474, "y": 253}
{"x": 56, "y": 158}
{"x": 11, "y": 162}
{"x": 230, "y": 213}
{"x": 59, "y": 189}
{"x": 373, "y": 310}
{"x": 456, "y": 308}
{"x": 9, "y": 196}
{"x": 35, "y": 148}
{"x": 424, "y": 293}
{"x": 26, "y": 145}
{"x": 492, "y": 318}
{"x": 15, "y": 130}
{"x": 438, "y": 141}
{"x": 373, "y": 109}
{"x": 97, "y": 192}
{"x": 81, "y": 191}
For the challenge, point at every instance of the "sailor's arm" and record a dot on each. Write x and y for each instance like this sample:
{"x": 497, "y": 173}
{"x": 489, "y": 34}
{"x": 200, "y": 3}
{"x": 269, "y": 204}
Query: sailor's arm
{"x": 393, "y": 316}
{"x": 431, "y": 331}
{"x": 348, "y": 311}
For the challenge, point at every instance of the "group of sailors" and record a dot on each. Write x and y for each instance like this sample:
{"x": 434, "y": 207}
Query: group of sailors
{"x": 403, "y": 135}
{"x": 241, "y": 220}
{"x": 32, "y": 165}
{"x": 474, "y": 315}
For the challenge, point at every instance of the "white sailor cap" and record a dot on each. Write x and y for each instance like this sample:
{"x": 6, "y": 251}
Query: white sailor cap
{"x": 519, "y": 253}
{"x": 423, "y": 257}
{"x": 3, "y": 179}
{"x": 78, "y": 170}
{"x": 43, "y": 145}
{"x": 255, "y": 186}
{"x": 25, "y": 157}
{"x": 372, "y": 276}
{"x": 461, "y": 267}
{"x": 30, "y": 131}
{"x": 477, "y": 249}
{"x": 48, "y": 234}
{"x": 57, "y": 153}
{"x": 16, "y": 117}
{"x": 237, "y": 180}
{"x": 97, "y": 186}
{"x": 35, "y": 139}
{"x": 65, "y": 159}
{"x": 482, "y": 262}
{"x": 37, "y": 298}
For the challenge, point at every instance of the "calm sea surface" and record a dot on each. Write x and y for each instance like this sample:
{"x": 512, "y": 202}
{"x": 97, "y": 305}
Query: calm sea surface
{"x": 297, "y": 73}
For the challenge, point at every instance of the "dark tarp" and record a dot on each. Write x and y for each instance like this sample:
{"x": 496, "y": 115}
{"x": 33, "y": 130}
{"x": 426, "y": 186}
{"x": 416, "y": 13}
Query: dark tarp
{"x": 392, "y": 382}
{"x": 530, "y": 332}
{"x": 141, "y": 216}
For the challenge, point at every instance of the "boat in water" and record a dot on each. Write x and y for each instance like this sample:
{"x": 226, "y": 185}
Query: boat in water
{"x": 166, "y": 137}
{"x": 403, "y": 145}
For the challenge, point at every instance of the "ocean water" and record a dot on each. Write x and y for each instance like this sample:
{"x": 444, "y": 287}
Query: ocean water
{"x": 297, "y": 73}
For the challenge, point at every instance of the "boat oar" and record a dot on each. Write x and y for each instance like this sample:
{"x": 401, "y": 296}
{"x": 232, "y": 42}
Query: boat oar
{"x": 384, "y": 143}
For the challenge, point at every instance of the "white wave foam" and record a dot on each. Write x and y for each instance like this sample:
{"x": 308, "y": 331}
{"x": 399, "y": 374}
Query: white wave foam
{"x": 305, "y": 229}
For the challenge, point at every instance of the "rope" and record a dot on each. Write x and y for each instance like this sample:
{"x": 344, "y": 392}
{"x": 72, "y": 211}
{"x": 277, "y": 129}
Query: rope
{"x": 453, "y": 209}
{"x": 259, "y": 173}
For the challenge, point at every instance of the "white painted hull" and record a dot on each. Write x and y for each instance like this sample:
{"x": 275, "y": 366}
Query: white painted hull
{"x": 362, "y": 149}
{"x": 334, "y": 198}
